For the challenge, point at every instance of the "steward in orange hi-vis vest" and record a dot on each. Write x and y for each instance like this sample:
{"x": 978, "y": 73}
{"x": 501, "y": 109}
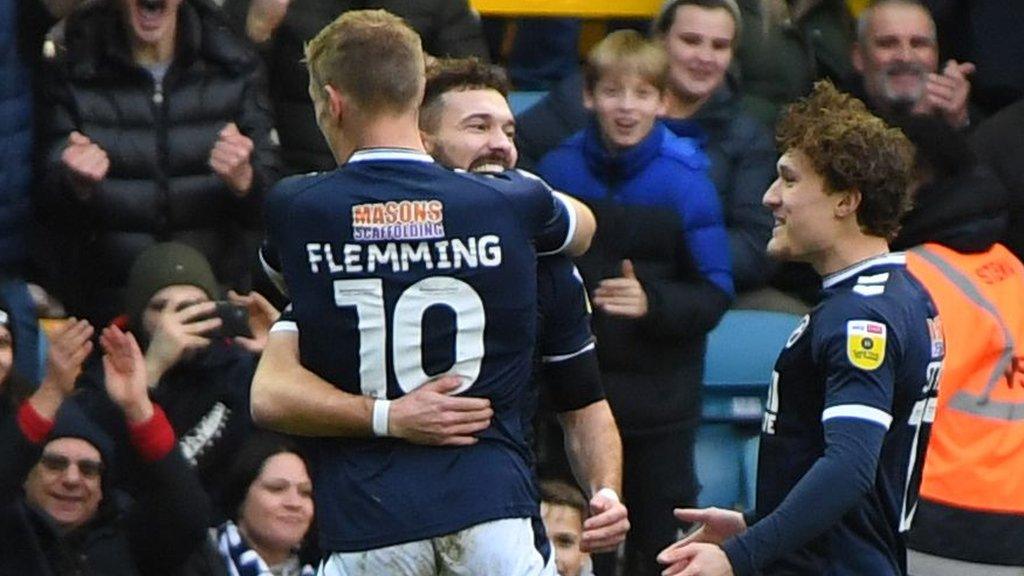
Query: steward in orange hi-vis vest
{"x": 972, "y": 494}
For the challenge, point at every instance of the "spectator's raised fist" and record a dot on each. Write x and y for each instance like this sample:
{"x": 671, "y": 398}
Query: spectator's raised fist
{"x": 231, "y": 159}
{"x": 86, "y": 163}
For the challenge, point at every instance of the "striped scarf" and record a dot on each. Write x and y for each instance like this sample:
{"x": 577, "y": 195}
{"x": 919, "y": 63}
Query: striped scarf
{"x": 244, "y": 561}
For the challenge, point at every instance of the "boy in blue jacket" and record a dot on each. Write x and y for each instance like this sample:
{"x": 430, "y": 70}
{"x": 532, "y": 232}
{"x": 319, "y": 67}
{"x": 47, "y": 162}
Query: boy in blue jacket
{"x": 660, "y": 272}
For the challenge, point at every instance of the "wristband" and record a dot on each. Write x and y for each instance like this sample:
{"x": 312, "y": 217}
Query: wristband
{"x": 609, "y": 494}
{"x": 381, "y": 411}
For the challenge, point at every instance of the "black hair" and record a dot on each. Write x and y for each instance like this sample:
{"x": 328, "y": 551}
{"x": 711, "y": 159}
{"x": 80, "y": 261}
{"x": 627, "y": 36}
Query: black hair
{"x": 248, "y": 465}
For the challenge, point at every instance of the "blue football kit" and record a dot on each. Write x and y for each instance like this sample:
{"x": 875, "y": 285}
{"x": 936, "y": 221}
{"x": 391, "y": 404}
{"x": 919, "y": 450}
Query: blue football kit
{"x": 399, "y": 271}
{"x": 850, "y": 406}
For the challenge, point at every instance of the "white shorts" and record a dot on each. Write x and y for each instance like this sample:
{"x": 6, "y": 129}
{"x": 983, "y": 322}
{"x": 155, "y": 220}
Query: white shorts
{"x": 497, "y": 548}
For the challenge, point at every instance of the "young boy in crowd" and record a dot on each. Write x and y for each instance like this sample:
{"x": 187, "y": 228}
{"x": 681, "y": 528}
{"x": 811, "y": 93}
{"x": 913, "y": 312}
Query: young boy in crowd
{"x": 660, "y": 272}
{"x": 563, "y": 508}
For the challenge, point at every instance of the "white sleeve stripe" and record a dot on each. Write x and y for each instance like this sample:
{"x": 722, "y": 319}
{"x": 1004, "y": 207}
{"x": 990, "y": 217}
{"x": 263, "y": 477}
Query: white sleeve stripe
{"x": 572, "y": 225}
{"x": 276, "y": 277}
{"x": 284, "y": 326}
{"x": 564, "y": 357}
{"x": 860, "y": 411}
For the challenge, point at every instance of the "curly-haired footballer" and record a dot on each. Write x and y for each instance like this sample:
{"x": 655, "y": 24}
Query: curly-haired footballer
{"x": 853, "y": 391}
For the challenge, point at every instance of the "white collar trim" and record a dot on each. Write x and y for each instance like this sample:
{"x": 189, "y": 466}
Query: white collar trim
{"x": 388, "y": 154}
{"x": 851, "y": 271}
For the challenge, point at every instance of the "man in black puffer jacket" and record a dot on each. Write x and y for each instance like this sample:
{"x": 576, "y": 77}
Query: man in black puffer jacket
{"x": 158, "y": 128}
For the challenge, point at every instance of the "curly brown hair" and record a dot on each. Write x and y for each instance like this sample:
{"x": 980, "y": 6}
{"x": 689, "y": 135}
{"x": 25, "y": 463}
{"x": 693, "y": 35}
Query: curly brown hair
{"x": 853, "y": 150}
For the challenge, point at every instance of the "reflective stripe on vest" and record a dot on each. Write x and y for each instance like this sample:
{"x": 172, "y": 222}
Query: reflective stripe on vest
{"x": 975, "y": 458}
{"x": 979, "y": 403}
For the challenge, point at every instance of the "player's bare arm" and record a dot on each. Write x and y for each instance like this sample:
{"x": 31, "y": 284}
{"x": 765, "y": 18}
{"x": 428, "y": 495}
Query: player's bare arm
{"x": 288, "y": 398}
{"x": 595, "y": 454}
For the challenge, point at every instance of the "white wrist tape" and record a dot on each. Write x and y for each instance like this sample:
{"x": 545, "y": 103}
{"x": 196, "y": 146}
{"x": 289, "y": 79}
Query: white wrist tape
{"x": 608, "y": 493}
{"x": 381, "y": 411}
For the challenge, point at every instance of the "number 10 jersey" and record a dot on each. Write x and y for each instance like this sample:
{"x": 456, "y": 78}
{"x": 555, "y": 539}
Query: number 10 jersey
{"x": 400, "y": 270}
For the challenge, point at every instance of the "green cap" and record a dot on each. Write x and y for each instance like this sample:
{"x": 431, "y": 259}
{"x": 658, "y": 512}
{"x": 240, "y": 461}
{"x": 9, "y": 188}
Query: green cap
{"x": 163, "y": 265}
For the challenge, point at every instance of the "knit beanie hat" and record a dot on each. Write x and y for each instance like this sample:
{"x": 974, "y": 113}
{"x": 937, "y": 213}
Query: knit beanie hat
{"x": 72, "y": 422}
{"x": 163, "y": 265}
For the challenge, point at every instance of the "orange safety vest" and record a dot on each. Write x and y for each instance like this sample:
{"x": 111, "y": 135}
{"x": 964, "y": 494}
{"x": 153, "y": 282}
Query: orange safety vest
{"x": 974, "y": 468}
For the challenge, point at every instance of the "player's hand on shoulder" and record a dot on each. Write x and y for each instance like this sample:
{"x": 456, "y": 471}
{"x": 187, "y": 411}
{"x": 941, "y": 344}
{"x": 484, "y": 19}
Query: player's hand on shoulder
{"x": 429, "y": 415}
{"x": 695, "y": 559}
{"x": 607, "y": 525}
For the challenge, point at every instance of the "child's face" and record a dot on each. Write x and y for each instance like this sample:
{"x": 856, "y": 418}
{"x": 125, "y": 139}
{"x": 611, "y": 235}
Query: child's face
{"x": 626, "y": 106}
{"x": 564, "y": 525}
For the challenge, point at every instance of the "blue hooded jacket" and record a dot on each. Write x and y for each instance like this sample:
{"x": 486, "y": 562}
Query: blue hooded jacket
{"x": 655, "y": 206}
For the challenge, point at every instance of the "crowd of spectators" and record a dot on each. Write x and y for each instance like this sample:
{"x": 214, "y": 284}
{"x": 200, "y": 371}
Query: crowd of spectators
{"x": 658, "y": 271}
{"x": 139, "y": 137}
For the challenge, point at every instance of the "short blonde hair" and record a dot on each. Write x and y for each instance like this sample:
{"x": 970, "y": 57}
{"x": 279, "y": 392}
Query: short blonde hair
{"x": 372, "y": 56}
{"x": 626, "y": 51}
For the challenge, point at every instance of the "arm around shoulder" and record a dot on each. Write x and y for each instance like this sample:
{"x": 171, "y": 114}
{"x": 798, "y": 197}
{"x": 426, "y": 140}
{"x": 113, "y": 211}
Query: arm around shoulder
{"x": 288, "y": 398}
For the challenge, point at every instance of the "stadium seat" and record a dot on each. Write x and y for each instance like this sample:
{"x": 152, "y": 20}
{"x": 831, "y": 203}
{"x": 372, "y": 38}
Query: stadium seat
{"x": 521, "y": 101}
{"x": 738, "y": 365}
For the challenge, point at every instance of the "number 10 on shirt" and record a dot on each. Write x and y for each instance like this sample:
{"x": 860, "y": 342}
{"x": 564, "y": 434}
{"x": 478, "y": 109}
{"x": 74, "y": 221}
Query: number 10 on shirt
{"x": 406, "y": 322}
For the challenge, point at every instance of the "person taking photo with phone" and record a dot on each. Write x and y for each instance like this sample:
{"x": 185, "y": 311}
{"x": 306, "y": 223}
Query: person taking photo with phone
{"x": 198, "y": 365}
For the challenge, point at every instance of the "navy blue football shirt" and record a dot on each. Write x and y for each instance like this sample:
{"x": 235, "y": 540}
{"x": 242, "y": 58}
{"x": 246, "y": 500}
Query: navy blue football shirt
{"x": 400, "y": 270}
{"x": 843, "y": 436}
{"x": 564, "y": 310}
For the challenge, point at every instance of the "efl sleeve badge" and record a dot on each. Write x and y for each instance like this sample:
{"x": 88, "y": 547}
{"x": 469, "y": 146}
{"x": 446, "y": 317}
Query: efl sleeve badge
{"x": 865, "y": 343}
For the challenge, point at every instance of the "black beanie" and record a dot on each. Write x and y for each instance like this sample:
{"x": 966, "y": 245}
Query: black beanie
{"x": 72, "y": 422}
{"x": 163, "y": 265}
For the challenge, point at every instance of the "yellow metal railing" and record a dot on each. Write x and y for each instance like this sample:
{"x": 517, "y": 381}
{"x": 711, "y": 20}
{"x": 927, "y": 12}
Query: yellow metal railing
{"x": 589, "y": 8}
{"x": 573, "y": 8}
